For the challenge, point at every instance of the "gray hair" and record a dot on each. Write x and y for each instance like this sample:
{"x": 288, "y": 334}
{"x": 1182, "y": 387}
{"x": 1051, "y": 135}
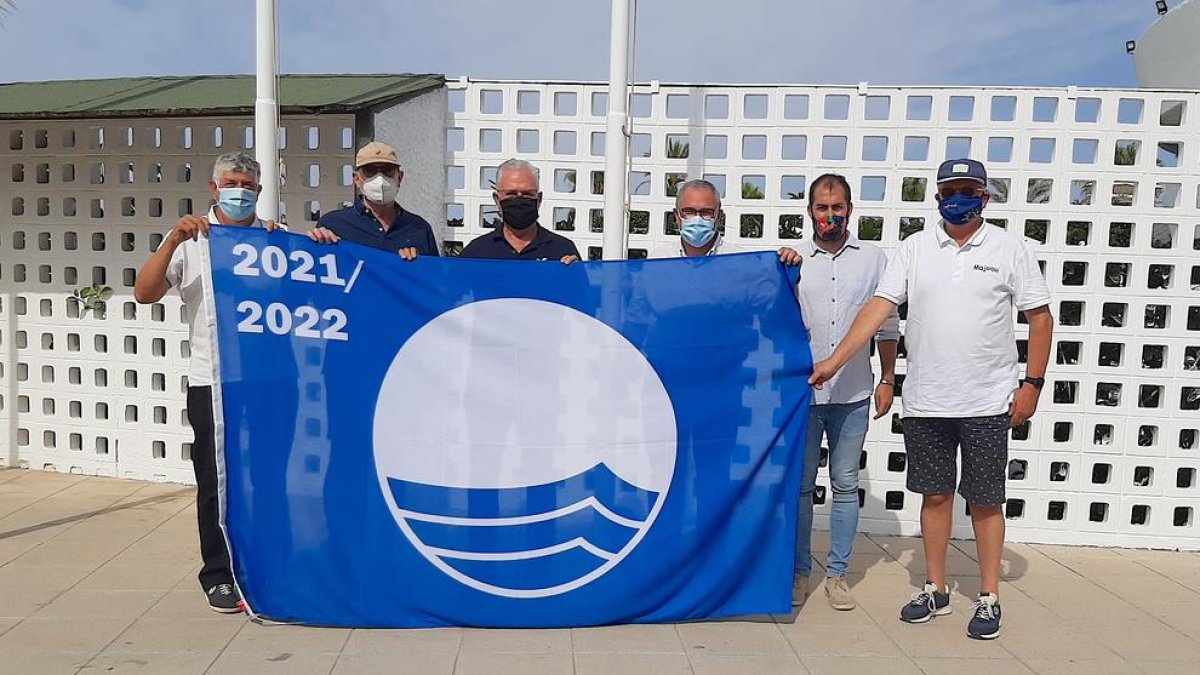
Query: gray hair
{"x": 238, "y": 162}
{"x": 518, "y": 165}
{"x": 697, "y": 184}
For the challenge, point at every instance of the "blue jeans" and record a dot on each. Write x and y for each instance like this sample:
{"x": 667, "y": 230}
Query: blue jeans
{"x": 846, "y": 426}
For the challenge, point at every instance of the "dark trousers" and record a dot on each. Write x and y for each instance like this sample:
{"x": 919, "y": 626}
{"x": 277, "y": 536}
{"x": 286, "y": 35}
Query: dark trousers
{"x": 216, "y": 569}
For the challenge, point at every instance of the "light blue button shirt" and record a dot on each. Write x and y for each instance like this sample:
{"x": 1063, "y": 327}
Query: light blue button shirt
{"x": 833, "y": 288}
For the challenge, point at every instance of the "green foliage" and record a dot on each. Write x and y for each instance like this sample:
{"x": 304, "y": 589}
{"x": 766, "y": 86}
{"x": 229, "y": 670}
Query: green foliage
{"x": 870, "y": 228}
{"x": 639, "y": 222}
{"x": 678, "y": 149}
{"x": 94, "y": 298}
{"x": 752, "y": 226}
{"x": 912, "y": 189}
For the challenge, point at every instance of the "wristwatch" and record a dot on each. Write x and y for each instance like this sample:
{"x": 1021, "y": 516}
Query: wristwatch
{"x": 1037, "y": 382}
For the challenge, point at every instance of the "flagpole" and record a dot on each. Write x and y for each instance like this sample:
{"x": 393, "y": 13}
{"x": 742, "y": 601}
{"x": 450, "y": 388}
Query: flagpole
{"x": 616, "y": 233}
{"x": 266, "y": 110}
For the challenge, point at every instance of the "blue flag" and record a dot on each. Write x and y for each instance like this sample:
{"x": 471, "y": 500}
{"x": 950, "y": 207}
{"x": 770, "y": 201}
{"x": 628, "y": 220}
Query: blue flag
{"x": 500, "y": 443}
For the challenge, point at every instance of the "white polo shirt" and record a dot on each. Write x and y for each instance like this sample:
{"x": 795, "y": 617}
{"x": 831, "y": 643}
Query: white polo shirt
{"x": 186, "y": 272}
{"x": 833, "y": 288}
{"x": 675, "y": 249}
{"x": 962, "y": 350}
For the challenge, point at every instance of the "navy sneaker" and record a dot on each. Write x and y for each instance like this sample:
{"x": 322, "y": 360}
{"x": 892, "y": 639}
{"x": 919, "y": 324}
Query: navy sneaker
{"x": 927, "y": 604}
{"x": 224, "y": 598}
{"x": 985, "y": 624}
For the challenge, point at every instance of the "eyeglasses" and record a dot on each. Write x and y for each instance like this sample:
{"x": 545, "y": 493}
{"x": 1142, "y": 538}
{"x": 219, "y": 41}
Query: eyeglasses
{"x": 943, "y": 193}
{"x": 707, "y": 214}
{"x": 372, "y": 170}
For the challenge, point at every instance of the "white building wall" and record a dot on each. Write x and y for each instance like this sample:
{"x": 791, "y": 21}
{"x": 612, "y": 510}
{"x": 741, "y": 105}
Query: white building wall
{"x": 1111, "y": 458}
{"x": 1168, "y": 54}
{"x": 86, "y": 202}
{"x": 414, "y": 129}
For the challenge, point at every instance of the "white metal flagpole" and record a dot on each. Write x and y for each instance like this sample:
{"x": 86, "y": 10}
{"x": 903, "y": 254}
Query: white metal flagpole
{"x": 616, "y": 231}
{"x": 266, "y": 110}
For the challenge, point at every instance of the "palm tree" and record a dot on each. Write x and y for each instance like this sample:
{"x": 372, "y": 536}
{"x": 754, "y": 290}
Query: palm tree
{"x": 1083, "y": 196}
{"x": 998, "y": 189}
{"x": 678, "y": 149}
{"x": 1126, "y": 153}
{"x": 1040, "y": 190}
{"x": 752, "y": 191}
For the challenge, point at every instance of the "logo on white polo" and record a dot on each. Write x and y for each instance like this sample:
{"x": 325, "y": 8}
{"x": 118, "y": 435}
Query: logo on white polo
{"x": 554, "y": 462}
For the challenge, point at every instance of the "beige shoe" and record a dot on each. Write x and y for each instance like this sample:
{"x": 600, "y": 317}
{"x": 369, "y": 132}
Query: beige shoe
{"x": 838, "y": 594}
{"x": 799, "y": 590}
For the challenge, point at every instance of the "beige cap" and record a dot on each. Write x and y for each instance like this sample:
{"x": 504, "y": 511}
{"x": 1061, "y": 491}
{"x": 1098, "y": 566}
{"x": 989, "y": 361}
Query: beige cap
{"x": 376, "y": 153}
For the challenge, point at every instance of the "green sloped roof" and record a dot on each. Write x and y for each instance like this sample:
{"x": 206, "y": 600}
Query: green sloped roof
{"x": 203, "y": 95}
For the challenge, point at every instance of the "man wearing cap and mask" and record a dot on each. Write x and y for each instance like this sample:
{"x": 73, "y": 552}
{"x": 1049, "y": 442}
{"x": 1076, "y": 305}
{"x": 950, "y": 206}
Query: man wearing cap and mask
{"x": 375, "y": 219}
{"x": 518, "y": 195}
{"x": 700, "y": 220}
{"x": 839, "y": 276}
{"x": 180, "y": 262}
{"x": 961, "y": 280}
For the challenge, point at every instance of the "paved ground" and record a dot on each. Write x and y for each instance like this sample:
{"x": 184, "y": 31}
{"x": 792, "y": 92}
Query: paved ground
{"x": 98, "y": 575}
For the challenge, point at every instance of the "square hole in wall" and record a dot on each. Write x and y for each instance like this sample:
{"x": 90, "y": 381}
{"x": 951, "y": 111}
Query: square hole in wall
{"x": 1085, "y": 150}
{"x": 1112, "y": 314}
{"x": 1004, "y": 108}
{"x": 1018, "y": 469}
{"x": 1102, "y": 434}
{"x": 1062, "y": 432}
{"x": 1108, "y": 394}
{"x": 1139, "y": 514}
{"x": 916, "y": 148}
{"x": 1129, "y": 111}
{"x": 795, "y": 107}
{"x": 1014, "y": 508}
{"x": 919, "y": 108}
{"x": 1111, "y": 354}
{"x": 1157, "y": 316}
{"x": 1070, "y": 313}
{"x": 1098, "y": 512}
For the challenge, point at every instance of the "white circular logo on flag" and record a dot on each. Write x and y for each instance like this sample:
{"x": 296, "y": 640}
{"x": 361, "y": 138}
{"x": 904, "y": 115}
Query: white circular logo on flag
{"x": 523, "y": 447}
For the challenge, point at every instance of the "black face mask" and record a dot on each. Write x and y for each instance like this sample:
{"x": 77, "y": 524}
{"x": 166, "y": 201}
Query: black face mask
{"x": 519, "y": 212}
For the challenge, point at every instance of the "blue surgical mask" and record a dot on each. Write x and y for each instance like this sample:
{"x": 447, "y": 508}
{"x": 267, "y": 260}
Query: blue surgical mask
{"x": 960, "y": 209}
{"x": 237, "y": 203}
{"x": 698, "y": 231}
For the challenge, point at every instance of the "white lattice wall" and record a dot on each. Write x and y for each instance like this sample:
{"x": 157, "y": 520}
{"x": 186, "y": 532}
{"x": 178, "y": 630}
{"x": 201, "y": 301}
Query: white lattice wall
{"x": 86, "y": 202}
{"x": 1105, "y": 180}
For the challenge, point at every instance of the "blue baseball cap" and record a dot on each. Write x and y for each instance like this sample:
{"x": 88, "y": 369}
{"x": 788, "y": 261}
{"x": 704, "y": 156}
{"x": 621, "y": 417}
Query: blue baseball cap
{"x": 962, "y": 169}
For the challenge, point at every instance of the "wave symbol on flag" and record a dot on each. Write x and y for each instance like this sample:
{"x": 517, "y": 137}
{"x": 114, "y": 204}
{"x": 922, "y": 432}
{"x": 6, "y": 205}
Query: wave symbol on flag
{"x": 527, "y": 539}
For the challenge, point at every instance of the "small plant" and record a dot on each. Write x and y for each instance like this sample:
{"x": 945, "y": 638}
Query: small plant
{"x": 94, "y": 298}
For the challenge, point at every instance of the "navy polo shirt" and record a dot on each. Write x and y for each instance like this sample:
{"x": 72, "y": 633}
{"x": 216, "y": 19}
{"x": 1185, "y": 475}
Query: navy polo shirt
{"x": 355, "y": 223}
{"x": 546, "y": 245}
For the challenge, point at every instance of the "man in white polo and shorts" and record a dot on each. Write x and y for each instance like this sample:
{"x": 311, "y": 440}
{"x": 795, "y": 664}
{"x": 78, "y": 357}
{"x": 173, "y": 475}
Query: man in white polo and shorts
{"x": 963, "y": 389}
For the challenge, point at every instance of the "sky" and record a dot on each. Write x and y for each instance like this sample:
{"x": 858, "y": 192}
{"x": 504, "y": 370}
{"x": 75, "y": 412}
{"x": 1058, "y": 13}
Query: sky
{"x": 887, "y": 42}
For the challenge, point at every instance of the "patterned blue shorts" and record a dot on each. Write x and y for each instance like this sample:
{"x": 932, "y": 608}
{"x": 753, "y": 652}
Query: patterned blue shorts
{"x": 932, "y": 445}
